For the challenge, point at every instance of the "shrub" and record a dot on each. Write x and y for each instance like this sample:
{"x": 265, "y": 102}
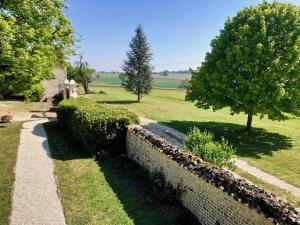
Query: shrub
{"x": 91, "y": 92}
{"x": 35, "y": 93}
{"x": 99, "y": 128}
{"x": 102, "y": 92}
{"x": 202, "y": 144}
{"x": 58, "y": 98}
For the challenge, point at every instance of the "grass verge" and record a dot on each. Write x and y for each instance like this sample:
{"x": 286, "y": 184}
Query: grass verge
{"x": 9, "y": 136}
{"x": 97, "y": 192}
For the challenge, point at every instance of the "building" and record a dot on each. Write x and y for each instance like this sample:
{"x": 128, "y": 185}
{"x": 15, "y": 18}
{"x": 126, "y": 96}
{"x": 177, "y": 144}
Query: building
{"x": 51, "y": 86}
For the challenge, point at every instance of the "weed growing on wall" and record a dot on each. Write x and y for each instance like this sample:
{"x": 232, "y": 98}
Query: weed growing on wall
{"x": 163, "y": 189}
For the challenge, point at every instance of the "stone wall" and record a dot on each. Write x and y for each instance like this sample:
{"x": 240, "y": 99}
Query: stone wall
{"x": 51, "y": 86}
{"x": 214, "y": 195}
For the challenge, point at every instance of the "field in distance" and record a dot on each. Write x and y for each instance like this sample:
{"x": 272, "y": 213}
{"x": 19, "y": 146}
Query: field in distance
{"x": 172, "y": 81}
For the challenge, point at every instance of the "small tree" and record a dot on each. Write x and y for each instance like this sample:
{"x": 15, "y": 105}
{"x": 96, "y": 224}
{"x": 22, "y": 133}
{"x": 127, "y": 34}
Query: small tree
{"x": 165, "y": 73}
{"x": 137, "y": 77}
{"x": 254, "y": 64}
{"x": 184, "y": 83}
{"x": 81, "y": 73}
{"x": 98, "y": 76}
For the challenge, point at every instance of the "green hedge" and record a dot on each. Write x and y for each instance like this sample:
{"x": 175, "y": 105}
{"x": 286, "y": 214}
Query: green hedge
{"x": 99, "y": 128}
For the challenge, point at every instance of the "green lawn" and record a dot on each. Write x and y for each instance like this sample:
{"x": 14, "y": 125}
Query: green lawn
{"x": 9, "y": 141}
{"x": 159, "y": 81}
{"x": 95, "y": 192}
{"x": 15, "y": 107}
{"x": 273, "y": 146}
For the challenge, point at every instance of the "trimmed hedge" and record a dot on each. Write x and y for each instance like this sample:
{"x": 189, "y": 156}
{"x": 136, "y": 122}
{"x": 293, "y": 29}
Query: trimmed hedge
{"x": 98, "y": 128}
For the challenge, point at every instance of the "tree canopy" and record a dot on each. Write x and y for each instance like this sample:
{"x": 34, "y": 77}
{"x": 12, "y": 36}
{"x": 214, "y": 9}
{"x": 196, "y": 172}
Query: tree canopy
{"x": 253, "y": 66}
{"x": 34, "y": 36}
{"x": 137, "y": 77}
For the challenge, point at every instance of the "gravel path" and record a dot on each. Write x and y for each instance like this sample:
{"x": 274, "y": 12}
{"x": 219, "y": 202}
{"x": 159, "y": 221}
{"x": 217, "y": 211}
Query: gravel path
{"x": 35, "y": 196}
{"x": 176, "y": 138}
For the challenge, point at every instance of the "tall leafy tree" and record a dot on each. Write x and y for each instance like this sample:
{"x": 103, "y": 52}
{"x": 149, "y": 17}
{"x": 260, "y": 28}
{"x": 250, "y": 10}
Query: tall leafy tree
{"x": 137, "y": 77}
{"x": 82, "y": 73}
{"x": 35, "y": 35}
{"x": 254, "y": 64}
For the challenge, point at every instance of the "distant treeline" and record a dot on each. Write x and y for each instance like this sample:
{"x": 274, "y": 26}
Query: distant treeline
{"x": 173, "y": 71}
{"x": 162, "y": 73}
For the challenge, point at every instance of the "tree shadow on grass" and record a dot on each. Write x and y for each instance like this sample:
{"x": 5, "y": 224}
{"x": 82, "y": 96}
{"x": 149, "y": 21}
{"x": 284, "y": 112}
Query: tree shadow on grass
{"x": 120, "y": 102}
{"x": 258, "y": 142}
{"x": 135, "y": 191}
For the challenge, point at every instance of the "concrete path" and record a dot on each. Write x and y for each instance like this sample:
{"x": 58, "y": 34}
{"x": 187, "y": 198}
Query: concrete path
{"x": 27, "y": 116}
{"x": 35, "y": 196}
{"x": 176, "y": 138}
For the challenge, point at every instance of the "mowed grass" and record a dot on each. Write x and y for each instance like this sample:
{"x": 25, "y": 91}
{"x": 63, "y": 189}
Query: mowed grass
{"x": 91, "y": 192}
{"x": 9, "y": 141}
{"x": 273, "y": 146}
{"x": 14, "y": 107}
{"x": 159, "y": 81}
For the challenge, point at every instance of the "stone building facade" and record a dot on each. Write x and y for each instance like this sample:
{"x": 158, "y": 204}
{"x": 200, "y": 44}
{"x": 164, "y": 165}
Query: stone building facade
{"x": 51, "y": 86}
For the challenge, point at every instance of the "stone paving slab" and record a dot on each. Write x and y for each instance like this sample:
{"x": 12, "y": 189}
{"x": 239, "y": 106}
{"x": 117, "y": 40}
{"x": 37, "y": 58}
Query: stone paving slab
{"x": 35, "y": 196}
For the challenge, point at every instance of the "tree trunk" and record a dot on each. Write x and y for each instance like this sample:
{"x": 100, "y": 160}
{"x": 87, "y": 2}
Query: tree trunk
{"x": 249, "y": 123}
{"x": 86, "y": 88}
{"x": 139, "y": 97}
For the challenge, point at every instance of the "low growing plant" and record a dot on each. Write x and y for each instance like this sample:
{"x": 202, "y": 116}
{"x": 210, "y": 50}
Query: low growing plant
{"x": 202, "y": 144}
{"x": 163, "y": 189}
{"x": 101, "y": 92}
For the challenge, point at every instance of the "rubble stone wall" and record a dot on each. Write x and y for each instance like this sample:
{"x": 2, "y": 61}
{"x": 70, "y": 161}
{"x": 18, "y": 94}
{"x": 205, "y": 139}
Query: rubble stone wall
{"x": 214, "y": 195}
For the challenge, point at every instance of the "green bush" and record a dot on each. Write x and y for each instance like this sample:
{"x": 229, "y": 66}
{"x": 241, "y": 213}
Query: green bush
{"x": 202, "y": 144}
{"x": 35, "y": 93}
{"x": 99, "y": 128}
{"x": 101, "y": 92}
{"x": 58, "y": 98}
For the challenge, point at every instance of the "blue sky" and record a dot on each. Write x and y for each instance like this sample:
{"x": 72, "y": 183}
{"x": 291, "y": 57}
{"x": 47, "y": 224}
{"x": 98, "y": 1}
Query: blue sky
{"x": 179, "y": 31}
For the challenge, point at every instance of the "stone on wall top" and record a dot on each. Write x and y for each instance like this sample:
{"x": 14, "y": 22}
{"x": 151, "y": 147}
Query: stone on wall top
{"x": 280, "y": 211}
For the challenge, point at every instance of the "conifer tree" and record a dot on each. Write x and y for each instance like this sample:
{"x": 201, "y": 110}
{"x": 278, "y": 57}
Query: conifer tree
{"x": 137, "y": 77}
